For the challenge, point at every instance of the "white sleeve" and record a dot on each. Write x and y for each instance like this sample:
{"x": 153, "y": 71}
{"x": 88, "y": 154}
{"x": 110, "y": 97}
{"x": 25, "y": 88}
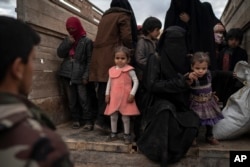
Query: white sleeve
{"x": 135, "y": 82}
{"x": 108, "y": 87}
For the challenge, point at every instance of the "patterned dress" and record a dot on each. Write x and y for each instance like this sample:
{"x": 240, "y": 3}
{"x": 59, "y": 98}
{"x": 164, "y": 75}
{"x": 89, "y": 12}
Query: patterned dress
{"x": 203, "y": 102}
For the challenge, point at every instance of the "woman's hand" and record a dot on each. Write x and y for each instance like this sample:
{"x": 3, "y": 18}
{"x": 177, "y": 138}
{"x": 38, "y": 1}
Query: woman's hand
{"x": 184, "y": 17}
{"x": 131, "y": 98}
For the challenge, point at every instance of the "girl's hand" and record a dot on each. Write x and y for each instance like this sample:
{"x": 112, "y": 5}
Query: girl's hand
{"x": 107, "y": 98}
{"x": 131, "y": 98}
{"x": 216, "y": 97}
{"x": 192, "y": 76}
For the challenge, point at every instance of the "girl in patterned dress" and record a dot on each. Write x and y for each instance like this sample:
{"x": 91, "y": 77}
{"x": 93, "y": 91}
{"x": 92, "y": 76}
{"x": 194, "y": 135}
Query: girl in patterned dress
{"x": 202, "y": 100}
{"x": 120, "y": 93}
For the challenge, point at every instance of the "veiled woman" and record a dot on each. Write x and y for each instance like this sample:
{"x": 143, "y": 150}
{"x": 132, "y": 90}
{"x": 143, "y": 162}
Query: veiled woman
{"x": 169, "y": 127}
{"x": 196, "y": 20}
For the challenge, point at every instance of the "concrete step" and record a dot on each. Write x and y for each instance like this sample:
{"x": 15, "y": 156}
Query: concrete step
{"x": 90, "y": 149}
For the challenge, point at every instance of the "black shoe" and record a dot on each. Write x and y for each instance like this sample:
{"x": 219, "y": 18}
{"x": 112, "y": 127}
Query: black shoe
{"x": 75, "y": 125}
{"x": 88, "y": 127}
{"x": 112, "y": 137}
{"x": 127, "y": 138}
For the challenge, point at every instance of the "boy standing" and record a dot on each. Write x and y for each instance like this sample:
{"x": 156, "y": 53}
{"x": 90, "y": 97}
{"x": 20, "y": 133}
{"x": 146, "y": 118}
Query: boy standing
{"x": 147, "y": 43}
{"x": 227, "y": 59}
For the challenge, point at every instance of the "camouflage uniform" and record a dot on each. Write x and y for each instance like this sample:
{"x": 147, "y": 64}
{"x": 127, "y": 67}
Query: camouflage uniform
{"x": 26, "y": 136}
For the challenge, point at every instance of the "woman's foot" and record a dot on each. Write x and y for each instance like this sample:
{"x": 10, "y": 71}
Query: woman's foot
{"x": 212, "y": 141}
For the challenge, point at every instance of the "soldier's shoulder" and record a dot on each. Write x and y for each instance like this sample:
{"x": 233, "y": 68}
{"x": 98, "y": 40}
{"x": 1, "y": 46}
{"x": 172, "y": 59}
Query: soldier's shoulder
{"x": 25, "y": 140}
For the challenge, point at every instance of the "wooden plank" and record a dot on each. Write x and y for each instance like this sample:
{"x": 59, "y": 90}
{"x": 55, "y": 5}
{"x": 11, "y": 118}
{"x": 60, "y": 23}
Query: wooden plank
{"x": 55, "y": 108}
{"x": 45, "y": 14}
{"x": 42, "y": 64}
{"x": 45, "y": 84}
{"x": 48, "y": 19}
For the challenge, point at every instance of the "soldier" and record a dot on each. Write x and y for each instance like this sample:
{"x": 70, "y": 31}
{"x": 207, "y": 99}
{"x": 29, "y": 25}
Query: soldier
{"x": 27, "y": 136}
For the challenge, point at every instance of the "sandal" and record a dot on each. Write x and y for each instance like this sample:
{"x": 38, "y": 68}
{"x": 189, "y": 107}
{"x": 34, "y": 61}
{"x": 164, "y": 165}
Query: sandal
{"x": 88, "y": 127}
{"x": 75, "y": 125}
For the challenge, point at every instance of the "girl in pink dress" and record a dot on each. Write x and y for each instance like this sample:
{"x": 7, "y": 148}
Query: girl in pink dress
{"x": 120, "y": 93}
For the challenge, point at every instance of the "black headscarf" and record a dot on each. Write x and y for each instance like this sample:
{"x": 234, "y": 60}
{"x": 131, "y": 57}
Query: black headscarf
{"x": 126, "y": 5}
{"x": 200, "y": 36}
{"x": 176, "y": 8}
{"x": 173, "y": 52}
{"x": 208, "y": 7}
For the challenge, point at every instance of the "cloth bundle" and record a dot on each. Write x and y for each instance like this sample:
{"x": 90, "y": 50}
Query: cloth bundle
{"x": 236, "y": 113}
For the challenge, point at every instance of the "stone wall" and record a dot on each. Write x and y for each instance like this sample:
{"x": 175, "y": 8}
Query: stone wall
{"x": 236, "y": 15}
{"x": 48, "y": 18}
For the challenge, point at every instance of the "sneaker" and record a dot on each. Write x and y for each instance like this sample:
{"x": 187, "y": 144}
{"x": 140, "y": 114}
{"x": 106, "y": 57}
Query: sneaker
{"x": 127, "y": 138}
{"x": 87, "y": 127}
{"x": 112, "y": 137}
{"x": 212, "y": 141}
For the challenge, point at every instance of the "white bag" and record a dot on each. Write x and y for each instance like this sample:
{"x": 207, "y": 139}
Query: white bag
{"x": 237, "y": 110}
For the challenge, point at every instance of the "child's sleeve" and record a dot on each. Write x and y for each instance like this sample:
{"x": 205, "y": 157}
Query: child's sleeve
{"x": 108, "y": 87}
{"x": 135, "y": 82}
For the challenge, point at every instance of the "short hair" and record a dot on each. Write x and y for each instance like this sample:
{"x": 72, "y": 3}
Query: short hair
{"x": 123, "y": 49}
{"x": 16, "y": 40}
{"x": 235, "y": 33}
{"x": 200, "y": 57}
{"x": 150, "y": 24}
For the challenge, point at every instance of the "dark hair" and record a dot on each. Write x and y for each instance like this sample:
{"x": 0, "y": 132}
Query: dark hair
{"x": 150, "y": 24}
{"x": 16, "y": 40}
{"x": 235, "y": 33}
{"x": 200, "y": 57}
{"x": 124, "y": 49}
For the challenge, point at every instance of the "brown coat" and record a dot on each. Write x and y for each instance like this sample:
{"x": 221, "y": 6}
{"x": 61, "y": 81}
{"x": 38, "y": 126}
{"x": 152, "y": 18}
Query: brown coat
{"x": 114, "y": 29}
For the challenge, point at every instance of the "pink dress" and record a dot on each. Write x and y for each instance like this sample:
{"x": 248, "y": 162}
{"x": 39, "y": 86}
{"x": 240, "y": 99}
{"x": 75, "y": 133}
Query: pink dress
{"x": 121, "y": 85}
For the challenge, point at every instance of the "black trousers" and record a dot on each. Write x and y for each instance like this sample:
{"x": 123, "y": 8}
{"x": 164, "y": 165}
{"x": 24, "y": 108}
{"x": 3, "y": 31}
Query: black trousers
{"x": 101, "y": 119}
{"x": 79, "y": 102}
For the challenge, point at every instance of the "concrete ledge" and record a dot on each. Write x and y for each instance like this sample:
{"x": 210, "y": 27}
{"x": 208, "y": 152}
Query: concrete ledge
{"x": 89, "y": 149}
